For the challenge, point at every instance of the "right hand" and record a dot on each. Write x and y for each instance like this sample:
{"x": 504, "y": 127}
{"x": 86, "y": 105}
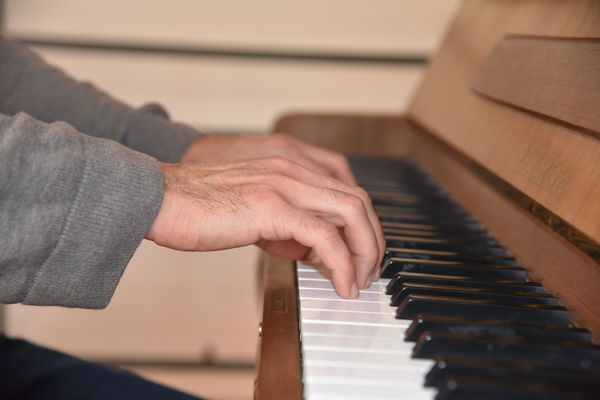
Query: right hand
{"x": 278, "y": 204}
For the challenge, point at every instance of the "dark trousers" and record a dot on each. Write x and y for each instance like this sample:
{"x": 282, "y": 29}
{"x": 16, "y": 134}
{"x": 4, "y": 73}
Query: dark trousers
{"x": 30, "y": 372}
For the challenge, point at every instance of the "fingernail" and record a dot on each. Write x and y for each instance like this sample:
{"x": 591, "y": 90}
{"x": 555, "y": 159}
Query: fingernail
{"x": 369, "y": 281}
{"x": 354, "y": 291}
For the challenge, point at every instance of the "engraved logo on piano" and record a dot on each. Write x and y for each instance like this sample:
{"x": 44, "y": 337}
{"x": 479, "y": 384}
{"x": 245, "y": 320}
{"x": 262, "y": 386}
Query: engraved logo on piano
{"x": 543, "y": 169}
{"x": 279, "y": 300}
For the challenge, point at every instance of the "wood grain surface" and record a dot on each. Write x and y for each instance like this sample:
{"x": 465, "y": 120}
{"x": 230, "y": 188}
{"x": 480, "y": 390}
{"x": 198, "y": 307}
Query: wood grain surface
{"x": 279, "y": 374}
{"x": 555, "y": 77}
{"x": 554, "y": 164}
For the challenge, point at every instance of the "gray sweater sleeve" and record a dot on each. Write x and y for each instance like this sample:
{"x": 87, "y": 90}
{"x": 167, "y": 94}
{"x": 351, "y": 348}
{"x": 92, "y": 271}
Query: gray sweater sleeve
{"x": 28, "y": 84}
{"x": 73, "y": 209}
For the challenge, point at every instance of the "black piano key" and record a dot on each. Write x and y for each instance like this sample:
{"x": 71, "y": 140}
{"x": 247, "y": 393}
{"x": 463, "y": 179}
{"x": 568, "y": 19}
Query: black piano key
{"x": 449, "y": 220}
{"x": 498, "y": 328}
{"x": 466, "y": 245}
{"x": 402, "y": 264}
{"x": 414, "y": 305}
{"x": 462, "y": 281}
{"x": 466, "y": 237}
{"x": 409, "y": 199}
{"x": 436, "y": 212}
{"x": 445, "y": 232}
{"x": 472, "y": 244}
{"x": 442, "y": 245}
{"x": 439, "y": 223}
{"x": 460, "y": 387}
{"x": 424, "y": 207}
{"x": 572, "y": 355}
{"x": 395, "y": 286}
{"x": 511, "y": 297}
{"x": 387, "y": 206}
{"x": 511, "y": 373}
{"x": 446, "y": 255}
{"x": 422, "y": 222}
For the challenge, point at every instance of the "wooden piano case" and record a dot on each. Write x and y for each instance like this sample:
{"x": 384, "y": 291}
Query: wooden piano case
{"x": 507, "y": 120}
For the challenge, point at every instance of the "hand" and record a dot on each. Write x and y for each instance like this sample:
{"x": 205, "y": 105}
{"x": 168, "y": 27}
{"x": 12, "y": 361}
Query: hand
{"x": 211, "y": 149}
{"x": 284, "y": 207}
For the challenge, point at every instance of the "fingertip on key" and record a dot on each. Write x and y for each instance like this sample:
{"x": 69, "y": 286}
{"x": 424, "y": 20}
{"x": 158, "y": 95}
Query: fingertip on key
{"x": 354, "y": 291}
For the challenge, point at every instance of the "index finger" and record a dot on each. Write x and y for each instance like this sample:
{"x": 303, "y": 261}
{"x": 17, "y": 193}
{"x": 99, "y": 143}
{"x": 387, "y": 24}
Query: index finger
{"x": 335, "y": 162}
{"x": 325, "y": 239}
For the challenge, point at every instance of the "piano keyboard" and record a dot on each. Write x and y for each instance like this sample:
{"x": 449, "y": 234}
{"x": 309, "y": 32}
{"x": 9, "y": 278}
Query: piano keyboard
{"x": 453, "y": 316}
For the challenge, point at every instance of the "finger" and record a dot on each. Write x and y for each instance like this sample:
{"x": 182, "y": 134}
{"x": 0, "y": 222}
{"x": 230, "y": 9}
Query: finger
{"x": 265, "y": 167}
{"x": 326, "y": 241}
{"x": 285, "y": 222}
{"x": 335, "y": 206}
{"x": 293, "y": 149}
{"x": 309, "y": 177}
{"x": 334, "y": 162}
{"x": 289, "y": 249}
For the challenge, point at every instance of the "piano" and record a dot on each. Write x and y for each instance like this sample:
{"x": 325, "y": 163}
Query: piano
{"x": 488, "y": 190}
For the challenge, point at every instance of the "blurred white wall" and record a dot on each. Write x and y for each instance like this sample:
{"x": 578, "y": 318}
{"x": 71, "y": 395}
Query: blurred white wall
{"x": 242, "y": 94}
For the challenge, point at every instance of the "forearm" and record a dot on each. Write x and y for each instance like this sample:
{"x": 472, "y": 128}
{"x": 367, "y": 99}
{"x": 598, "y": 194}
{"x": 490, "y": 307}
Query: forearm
{"x": 73, "y": 209}
{"x": 29, "y": 84}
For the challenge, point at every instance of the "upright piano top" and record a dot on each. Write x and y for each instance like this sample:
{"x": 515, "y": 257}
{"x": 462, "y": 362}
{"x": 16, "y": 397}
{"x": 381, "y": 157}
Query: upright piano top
{"x": 516, "y": 88}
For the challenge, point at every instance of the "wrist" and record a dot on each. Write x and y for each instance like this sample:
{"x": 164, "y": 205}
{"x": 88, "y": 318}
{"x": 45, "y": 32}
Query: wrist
{"x": 162, "y": 217}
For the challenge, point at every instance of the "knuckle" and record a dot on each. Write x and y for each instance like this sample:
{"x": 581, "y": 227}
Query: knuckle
{"x": 354, "y": 204}
{"x": 266, "y": 197}
{"x": 339, "y": 159}
{"x": 280, "y": 162}
{"x": 277, "y": 179}
{"x": 362, "y": 193}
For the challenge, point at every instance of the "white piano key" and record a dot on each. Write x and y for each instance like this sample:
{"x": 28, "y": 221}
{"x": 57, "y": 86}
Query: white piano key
{"x": 355, "y": 349}
{"x": 326, "y": 283}
{"x": 358, "y": 305}
{"x": 331, "y": 294}
{"x": 401, "y": 367}
{"x": 376, "y": 358}
{"x": 358, "y": 342}
{"x": 352, "y": 317}
{"x": 424, "y": 396}
{"x": 392, "y": 383}
{"x": 305, "y": 271}
{"x": 405, "y": 351}
{"x": 413, "y": 376}
{"x": 312, "y": 283}
{"x": 334, "y": 391}
{"x": 321, "y": 328}
{"x": 300, "y": 266}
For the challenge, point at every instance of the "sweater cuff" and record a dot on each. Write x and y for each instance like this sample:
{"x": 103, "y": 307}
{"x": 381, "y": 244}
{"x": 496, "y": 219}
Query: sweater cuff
{"x": 118, "y": 197}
